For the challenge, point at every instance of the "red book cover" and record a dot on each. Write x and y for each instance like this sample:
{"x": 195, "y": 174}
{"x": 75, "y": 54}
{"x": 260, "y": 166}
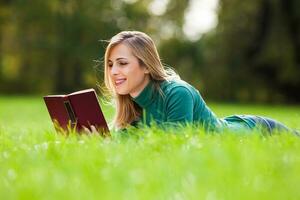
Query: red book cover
{"x": 76, "y": 110}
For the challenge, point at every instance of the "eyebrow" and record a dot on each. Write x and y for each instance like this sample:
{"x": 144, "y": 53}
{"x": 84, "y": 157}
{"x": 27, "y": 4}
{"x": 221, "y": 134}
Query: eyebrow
{"x": 116, "y": 59}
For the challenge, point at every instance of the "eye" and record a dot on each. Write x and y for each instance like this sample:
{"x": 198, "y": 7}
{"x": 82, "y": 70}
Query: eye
{"x": 110, "y": 65}
{"x": 123, "y": 63}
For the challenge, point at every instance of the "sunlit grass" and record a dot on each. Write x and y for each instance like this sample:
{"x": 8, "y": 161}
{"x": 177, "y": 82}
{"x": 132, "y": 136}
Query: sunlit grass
{"x": 37, "y": 163}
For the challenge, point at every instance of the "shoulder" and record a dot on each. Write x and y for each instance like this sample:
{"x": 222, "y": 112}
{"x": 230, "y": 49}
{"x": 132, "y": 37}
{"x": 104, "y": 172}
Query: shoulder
{"x": 177, "y": 87}
{"x": 178, "y": 90}
{"x": 179, "y": 101}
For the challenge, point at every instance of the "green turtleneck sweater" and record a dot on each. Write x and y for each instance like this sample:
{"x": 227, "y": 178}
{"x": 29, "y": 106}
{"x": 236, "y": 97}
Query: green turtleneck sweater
{"x": 179, "y": 102}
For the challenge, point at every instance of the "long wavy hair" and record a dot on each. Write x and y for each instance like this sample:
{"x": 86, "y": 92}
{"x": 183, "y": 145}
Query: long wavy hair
{"x": 144, "y": 49}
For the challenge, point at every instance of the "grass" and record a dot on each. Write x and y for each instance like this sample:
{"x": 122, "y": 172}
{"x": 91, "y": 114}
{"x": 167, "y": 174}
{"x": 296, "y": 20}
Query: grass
{"x": 37, "y": 163}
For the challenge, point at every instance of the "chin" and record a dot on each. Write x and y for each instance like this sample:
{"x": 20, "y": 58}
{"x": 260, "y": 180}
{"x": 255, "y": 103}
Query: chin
{"x": 122, "y": 92}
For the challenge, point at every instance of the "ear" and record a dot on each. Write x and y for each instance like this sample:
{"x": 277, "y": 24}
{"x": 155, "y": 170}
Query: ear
{"x": 146, "y": 71}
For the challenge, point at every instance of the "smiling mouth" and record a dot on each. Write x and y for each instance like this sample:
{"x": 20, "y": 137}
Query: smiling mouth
{"x": 120, "y": 81}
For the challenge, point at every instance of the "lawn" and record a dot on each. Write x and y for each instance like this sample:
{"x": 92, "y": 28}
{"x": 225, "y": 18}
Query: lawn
{"x": 37, "y": 163}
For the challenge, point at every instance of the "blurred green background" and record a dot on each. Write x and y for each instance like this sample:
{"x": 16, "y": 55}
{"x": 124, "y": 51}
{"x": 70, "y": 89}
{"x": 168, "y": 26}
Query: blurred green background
{"x": 252, "y": 54}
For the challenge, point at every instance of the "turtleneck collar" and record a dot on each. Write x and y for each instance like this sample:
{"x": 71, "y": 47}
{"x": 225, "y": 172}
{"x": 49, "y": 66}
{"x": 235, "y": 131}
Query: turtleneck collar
{"x": 146, "y": 97}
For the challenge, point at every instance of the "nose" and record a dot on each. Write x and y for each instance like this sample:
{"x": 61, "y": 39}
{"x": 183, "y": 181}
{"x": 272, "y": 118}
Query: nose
{"x": 114, "y": 70}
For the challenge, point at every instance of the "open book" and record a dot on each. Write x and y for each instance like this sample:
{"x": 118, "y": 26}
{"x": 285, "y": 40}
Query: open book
{"x": 75, "y": 111}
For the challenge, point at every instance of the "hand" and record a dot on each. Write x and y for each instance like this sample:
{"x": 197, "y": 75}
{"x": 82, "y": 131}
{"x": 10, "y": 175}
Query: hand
{"x": 88, "y": 131}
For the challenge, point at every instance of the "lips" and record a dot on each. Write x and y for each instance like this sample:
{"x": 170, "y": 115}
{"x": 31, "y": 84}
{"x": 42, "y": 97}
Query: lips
{"x": 120, "y": 81}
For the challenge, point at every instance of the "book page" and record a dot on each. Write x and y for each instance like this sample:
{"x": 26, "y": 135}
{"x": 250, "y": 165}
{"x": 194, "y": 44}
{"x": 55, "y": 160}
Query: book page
{"x": 82, "y": 91}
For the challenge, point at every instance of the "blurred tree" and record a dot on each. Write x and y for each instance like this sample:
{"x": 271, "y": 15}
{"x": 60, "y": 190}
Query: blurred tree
{"x": 252, "y": 55}
{"x": 254, "y": 51}
{"x": 185, "y": 57}
{"x": 51, "y": 45}
{"x": 4, "y": 13}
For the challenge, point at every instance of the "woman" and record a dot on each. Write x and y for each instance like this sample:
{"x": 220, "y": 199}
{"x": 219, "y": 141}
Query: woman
{"x": 145, "y": 91}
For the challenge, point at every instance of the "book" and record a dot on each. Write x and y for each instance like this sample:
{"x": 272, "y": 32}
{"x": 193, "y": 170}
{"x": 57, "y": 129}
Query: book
{"x": 75, "y": 111}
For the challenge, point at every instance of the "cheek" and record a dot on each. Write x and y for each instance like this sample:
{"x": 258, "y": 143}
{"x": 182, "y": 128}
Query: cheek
{"x": 109, "y": 72}
{"x": 136, "y": 80}
{"x": 134, "y": 75}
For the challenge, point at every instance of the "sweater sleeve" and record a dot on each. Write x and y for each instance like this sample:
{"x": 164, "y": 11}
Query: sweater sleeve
{"x": 179, "y": 105}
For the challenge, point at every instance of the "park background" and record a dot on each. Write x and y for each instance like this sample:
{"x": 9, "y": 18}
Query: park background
{"x": 246, "y": 51}
{"x": 243, "y": 56}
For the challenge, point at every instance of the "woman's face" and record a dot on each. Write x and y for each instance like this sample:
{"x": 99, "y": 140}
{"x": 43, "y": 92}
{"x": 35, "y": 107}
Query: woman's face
{"x": 127, "y": 76}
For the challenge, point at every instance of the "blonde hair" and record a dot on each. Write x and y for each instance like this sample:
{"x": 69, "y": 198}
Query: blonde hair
{"x": 144, "y": 49}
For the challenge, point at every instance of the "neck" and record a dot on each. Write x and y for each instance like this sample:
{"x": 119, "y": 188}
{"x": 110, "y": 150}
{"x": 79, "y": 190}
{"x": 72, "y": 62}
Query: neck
{"x": 140, "y": 88}
{"x": 146, "y": 96}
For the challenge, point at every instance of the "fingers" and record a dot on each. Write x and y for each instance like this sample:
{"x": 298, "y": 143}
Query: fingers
{"x": 86, "y": 130}
{"x": 92, "y": 130}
